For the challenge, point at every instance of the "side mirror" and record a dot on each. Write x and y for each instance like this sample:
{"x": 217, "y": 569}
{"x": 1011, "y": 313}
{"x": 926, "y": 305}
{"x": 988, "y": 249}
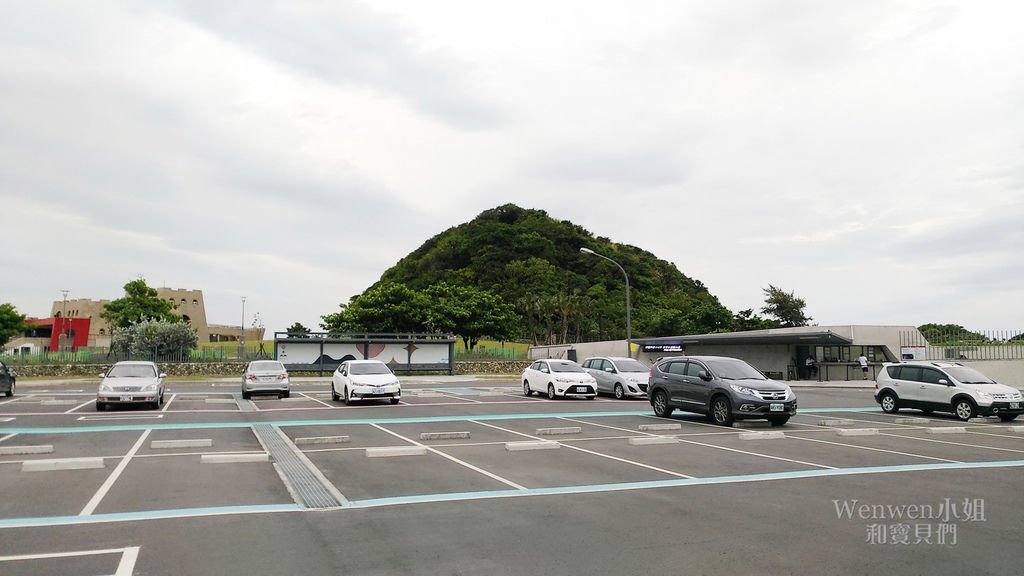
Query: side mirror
{"x": 703, "y": 375}
{"x": 944, "y": 381}
{"x": 103, "y": 375}
{"x": 162, "y": 375}
{"x": 610, "y": 370}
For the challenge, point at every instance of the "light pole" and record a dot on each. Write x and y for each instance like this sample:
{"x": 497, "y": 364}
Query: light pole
{"x": 64, "y": 321}
{"x": 629, "y": 319}
{"x": 241, "y": 333}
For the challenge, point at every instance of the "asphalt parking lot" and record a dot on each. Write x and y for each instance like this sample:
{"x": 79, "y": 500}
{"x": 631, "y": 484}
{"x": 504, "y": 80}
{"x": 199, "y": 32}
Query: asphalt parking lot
{"x": 473, "y": 477}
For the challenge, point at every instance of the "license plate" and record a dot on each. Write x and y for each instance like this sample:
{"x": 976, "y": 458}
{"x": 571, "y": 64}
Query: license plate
{"x": 127, "y": 398}
{"x": 378, "y": 390}
{"x": 777, "y": 407}
{"x": 581, "y": 388}
{"x": 1014, "y": 405}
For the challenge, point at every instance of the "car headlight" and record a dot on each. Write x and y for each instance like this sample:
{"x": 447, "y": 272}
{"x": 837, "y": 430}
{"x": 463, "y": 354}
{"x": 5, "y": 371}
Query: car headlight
{"x": 742, "y": 390}
{"x": 984, "y": 395}
{"x": 106, "y": 388}
{"x": 789, "y": 393}
{"x": 150, "y": 388}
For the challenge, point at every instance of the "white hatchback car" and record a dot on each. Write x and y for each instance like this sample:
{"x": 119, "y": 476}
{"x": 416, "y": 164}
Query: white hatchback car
{"x": 365, "y": 380}
{"x": 558, "y": 378}
{"x": 945, "y": 387}
{"x": 622, "y": 377}
{"x": 131, "y": 383}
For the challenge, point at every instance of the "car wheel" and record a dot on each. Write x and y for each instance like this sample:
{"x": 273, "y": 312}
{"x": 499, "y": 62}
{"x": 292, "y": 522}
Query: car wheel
{"x": 778, "y": 421}
{"x": 334, "y": 394}
{"x": 345, "y": 397}
{"x": 551, "y": 391}
{"x": 395, "y": 400}
{"x": 890, "y": 405}
{"x": 100, "y": 406}
{"x": 660, "y": 404}
{"x": 964, "y": 409}
{"x": 1007, "y": 417}
{"x": 246, "y": 395}
{"x": 10, "y": 392}
{"x": 526, "y": 389}
{"x": 287, "y": 394}
{"x": 721, "y": 411}
{"x": 619, "y": 392}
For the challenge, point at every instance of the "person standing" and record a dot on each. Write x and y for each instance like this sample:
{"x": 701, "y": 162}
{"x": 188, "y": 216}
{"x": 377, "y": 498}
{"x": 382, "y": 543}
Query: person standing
{"x": 811, "y": 367}
{"x": 863, "y": 361}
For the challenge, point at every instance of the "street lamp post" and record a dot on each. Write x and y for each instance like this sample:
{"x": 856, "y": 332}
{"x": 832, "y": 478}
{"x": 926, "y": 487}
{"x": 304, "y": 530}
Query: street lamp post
{"x": 629, "y": 319}
{"x": 64, "y": 321}
{"x": 241, "y": 333}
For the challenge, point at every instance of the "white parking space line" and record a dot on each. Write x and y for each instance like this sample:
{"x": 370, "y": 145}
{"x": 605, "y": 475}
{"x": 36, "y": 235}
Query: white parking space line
{"x": 711, "y": 445}
{"x": 452, "y": 458}
{"x": 90, "y": 507}
{"x": 82, "y": 405}
{"x": 168, "y": 403}
{"x": 591, "y": 452}
{"x": 457, "y": 397}
{"x": 954, "y": 443}
{"x": 15, "y": 399}
{"x": 125, "y": 567}
{"x": 996, "y": 435}
{"x": 873, "y": 449}
{"x": 317, "y": 400}
{"x": 8, "y": 437}
{"x": 125, "y": 417}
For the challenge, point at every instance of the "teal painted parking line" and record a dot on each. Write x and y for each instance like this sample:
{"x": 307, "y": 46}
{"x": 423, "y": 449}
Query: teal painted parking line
{"x": 343, "y": 421}
{"x": 148, "y": 515}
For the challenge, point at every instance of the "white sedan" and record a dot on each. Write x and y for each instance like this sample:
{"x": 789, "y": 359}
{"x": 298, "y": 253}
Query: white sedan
{"x": 558, "y": 378}
{"x": 365, "y": 380}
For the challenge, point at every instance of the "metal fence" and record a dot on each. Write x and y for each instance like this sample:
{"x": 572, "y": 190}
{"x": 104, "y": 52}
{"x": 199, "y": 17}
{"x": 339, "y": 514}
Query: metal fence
{"x": 100, "y": 356}
{"x": 485, "y": 354}
{"x": 954, "y": 345}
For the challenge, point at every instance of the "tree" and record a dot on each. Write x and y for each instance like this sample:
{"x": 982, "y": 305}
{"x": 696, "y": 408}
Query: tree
{"x": 390, "y": 307}
{"x": 470, "y": 313}
{"x": 156, "y": 339}
{"x": 747, "y": 320}
{"x": 297, "y": 330}
{"x": 11, "y": 323}
{"x": 953, "y": 333}
{"x": 785, "y": 307}
{"x": 139, "y": 303}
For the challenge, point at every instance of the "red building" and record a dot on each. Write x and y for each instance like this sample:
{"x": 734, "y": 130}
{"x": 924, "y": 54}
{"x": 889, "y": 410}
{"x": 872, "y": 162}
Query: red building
{"x": 62, "y": 333}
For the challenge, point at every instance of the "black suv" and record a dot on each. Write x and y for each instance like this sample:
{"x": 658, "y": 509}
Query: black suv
{"x": 6, "y": 380}
{"x": 725, "y": 389}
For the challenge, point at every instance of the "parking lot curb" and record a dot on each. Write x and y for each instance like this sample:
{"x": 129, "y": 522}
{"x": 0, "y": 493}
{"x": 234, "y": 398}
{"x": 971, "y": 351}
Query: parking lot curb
{"x": 835, "y": 422}
{"x": 912, "y": 420}
{"x": 1017, "y": 429}
{"x": 532, "y": 445}
{"x": 322, "y": 440}
{"x": 946, "y": 430}
{"x": 193, "y": 443}
{"x": 857, "y": 432}
{"x": 233, "y": 458}
{"x": 23, "y": 450}
{"x": 444, "y": 435}
{"x": 762, "y": 435}
{"x": 61, "y": 464}
{"x": 388, "y": 451}
{"x": 562, "y": 431}
{"x": 649, "y": 440}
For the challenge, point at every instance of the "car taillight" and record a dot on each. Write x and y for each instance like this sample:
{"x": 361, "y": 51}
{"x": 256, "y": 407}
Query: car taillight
{"x": 651, "y": 373}
{"x": 283, "y": 376}
{"x": 250, "y": 376}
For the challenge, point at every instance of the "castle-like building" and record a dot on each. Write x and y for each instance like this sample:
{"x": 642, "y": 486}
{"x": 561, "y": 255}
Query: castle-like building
{"x": 77, "y": 323}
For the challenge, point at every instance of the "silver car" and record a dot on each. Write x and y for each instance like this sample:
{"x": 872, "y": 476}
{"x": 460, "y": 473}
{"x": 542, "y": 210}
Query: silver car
{"x": 622, "y": 377}
{"x": 131, "y": 383}
{"x": 265, "y": 377}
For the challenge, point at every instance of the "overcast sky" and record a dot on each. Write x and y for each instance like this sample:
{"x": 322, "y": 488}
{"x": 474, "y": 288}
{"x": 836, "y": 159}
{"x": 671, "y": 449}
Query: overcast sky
{"x": 868, "y": 154}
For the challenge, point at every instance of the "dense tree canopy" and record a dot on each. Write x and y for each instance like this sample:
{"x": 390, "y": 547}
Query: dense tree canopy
{"x": 297, "y": 330}
{"x": 140, "y": 302}
{"x": 785, "y": 307}
{"x": 156, "y": 339}
{"x": 936, "y": 333}
{"x": 11, "y": 323}
{"x": 533, "y": 261}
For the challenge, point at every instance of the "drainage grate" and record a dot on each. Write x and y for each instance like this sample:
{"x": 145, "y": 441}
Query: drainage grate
{"x": 245, "y": 405}
{"x": 307, "y": 485}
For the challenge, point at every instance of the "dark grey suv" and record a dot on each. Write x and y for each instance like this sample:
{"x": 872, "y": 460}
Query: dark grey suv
{"x": 7, "y": 378}
{"x": 725, "y": 389}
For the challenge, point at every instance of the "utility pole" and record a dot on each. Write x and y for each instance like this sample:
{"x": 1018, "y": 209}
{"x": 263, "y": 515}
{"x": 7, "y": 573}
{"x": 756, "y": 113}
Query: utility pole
{"x": 63, "y": 340}
{"x": 241, "y": 333}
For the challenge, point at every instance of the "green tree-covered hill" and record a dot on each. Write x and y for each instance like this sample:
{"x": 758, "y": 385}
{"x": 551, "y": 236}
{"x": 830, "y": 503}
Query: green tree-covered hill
{"x": 533, "y": 262}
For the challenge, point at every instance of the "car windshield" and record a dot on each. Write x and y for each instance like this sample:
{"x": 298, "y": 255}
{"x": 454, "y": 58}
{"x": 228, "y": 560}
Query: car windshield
{"x": 731, "y": 369}
{"x": 369, "y": 368}
{"x": 966, "y": 375}
{"x": 565, "y": 367}
{"x": 630, "y": 366}
{"x": 132, "y": 371}
{"x": 266, "y": 367}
